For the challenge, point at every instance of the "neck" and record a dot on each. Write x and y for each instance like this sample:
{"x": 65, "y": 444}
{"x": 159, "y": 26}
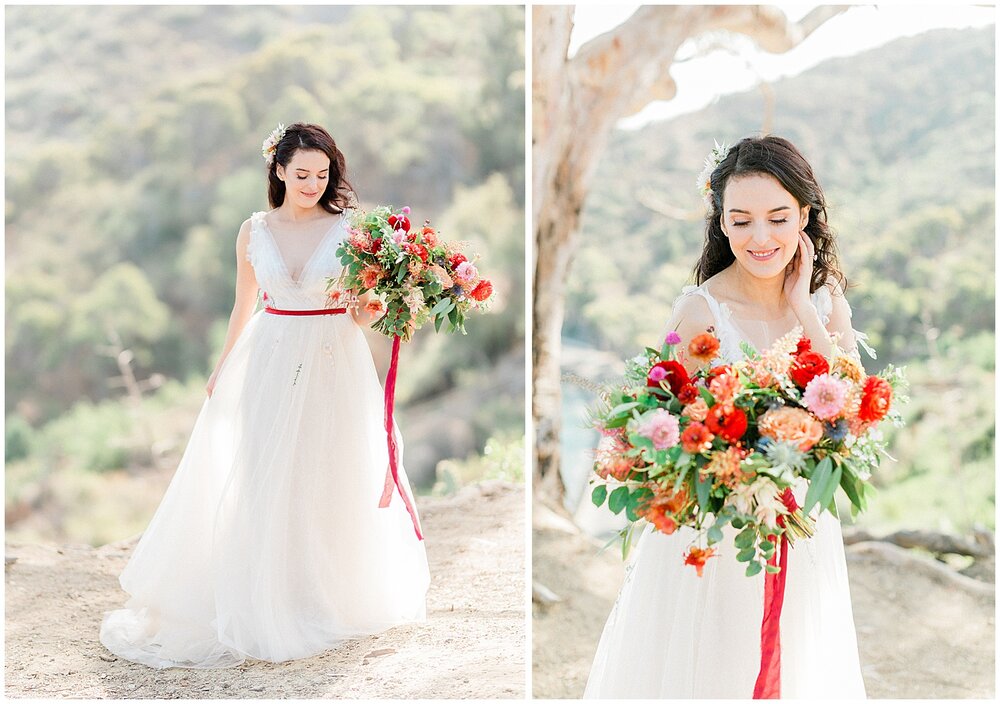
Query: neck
{"x": 766, "y": 294}
{"x": 296, "y": 213}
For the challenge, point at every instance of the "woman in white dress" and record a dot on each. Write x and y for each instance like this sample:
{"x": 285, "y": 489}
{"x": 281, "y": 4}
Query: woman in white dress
{"x": 269, "y": 542}
{"x": 769, "y": 264}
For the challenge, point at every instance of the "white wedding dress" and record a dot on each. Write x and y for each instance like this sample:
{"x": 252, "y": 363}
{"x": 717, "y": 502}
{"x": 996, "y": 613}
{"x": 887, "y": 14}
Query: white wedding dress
{"x": 674, "y": 635}
{"x": 269, "y": 542}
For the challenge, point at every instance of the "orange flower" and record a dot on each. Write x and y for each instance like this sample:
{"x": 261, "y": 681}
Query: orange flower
{"x": 696, "y": 438}
{"x": 371, "y": 275}
{"x": 698, "y": 556}
{"x": 703, "y": 347}
{"x": 610, "y": 459}
{"x": 663, "y": 508}
{"x": 794, "y": 425}
{"x": 697, "y": 410}
{"x": 724, "y": 387}
{"x": 725, "y": 467}
{"x": 849, "y": 368}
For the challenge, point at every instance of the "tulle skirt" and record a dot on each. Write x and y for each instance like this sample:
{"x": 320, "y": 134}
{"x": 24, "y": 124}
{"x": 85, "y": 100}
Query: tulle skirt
{"x": 674, "y": 635}
{"x": 269, "y": 542}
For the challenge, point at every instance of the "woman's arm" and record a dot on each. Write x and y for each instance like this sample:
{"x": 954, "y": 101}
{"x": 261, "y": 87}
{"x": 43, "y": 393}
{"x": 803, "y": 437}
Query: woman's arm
{"x": 840, "y": 324}
{"x": 246, "y": 300}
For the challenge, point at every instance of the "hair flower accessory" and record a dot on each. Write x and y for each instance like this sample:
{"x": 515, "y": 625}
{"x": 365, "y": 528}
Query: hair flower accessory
{"x": 714, "y": 158}
{"x": 270, "y": 144}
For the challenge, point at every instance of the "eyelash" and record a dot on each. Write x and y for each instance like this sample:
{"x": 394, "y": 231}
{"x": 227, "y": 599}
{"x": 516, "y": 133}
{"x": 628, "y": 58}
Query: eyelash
{"x": 302, "y": 178}
{"x": 773, "y": 222}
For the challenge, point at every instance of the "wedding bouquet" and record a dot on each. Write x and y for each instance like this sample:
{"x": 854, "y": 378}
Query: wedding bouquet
{"x": 727, "y": 444}
{"x": 415, "y": 275}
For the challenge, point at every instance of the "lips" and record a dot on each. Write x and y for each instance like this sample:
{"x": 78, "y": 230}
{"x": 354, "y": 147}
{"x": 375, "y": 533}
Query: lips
{"x": 762, "y": 255}
{"x": 310, "y": 195}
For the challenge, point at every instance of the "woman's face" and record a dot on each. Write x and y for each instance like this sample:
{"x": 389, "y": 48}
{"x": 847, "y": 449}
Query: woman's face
{"x": 762, "y": 221}
{"x": 305, "y": 177}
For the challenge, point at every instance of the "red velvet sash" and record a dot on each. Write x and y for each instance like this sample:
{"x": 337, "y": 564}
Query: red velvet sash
{"x": 768, "y": 685}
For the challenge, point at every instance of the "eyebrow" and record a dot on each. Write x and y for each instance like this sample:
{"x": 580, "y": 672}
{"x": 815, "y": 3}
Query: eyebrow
{"x": 747, "y": 212}
{"x": 307, "y": 170}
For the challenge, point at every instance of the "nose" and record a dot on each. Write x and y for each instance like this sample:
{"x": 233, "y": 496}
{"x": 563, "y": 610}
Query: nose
{"x": 761, "y": 234}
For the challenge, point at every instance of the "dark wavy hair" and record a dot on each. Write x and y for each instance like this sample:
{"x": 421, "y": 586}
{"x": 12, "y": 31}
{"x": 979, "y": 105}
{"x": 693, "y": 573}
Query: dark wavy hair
{"x": 339, "y": 193}
{"x": 779, "y": 158}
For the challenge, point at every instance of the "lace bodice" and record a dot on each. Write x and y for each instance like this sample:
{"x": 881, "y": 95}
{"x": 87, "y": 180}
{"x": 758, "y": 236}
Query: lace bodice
{"x": 730, "y": 335}
{"x": 273, "y": 277}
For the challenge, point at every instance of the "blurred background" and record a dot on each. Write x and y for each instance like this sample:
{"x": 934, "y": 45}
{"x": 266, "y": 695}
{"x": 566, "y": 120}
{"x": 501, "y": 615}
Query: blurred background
{"x": 132, "y": 156}
{"x": 894, "y": 107}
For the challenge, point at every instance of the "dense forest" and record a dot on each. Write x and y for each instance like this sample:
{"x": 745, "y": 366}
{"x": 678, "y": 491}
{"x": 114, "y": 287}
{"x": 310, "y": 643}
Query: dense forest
{"x": 133, "y": 156}
{"x": 902, "y": 140}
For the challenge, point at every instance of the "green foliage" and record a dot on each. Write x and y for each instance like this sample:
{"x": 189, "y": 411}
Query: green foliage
{"x": 502, "y": 458}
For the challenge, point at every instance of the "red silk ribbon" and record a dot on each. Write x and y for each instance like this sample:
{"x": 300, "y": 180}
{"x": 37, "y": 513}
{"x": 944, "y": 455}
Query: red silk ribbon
{"x": 392, "y": 473}
{"x": 768, "y": 685}
{"x": 316, "y": 311}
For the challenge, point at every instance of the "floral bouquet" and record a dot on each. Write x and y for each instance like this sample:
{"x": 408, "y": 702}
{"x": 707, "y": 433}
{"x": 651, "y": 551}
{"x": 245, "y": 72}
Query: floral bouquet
{"x": 415, "y": 275}
{"x": 728, "y": 444}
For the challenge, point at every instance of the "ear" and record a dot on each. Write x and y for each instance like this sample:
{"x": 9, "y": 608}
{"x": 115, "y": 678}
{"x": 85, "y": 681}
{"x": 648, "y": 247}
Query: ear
{"x": 280, "y": 171}
{"x": 722, "y": 225}
{"x": 803, "y": 217}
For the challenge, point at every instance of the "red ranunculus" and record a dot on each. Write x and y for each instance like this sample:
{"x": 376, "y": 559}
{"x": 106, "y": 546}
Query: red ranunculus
{"x": 804, "y": 345}
{"x": 455, "y": 259}
{"x": 727, "y": 421}
{"x": 482, "y": 291}
{"x": 688, "y": 394}
{"x": 806, "y": 366}
{"x": 676, "y": 376}
{"x": 718, "y": 371}
{"x": 418, "y": 249}
{"x": 876, "y": 396}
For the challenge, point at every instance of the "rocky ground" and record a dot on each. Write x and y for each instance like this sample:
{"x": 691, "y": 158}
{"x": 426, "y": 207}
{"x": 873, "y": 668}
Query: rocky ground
{"x": 924, "y": 630}
{"x": 472, "y": 645}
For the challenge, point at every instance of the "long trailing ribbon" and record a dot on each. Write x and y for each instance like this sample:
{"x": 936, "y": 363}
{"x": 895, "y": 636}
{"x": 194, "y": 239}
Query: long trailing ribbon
{"x": 392, "y": 473}
{"x": 768, "y": 685}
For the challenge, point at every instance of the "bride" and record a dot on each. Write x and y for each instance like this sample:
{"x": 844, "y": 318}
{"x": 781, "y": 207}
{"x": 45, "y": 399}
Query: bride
{"x": 269, "y": 542}
{"x": 768, "y": 264}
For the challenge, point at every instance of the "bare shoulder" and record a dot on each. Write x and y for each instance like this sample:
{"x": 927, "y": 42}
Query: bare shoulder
{"x": 243, "y": 236}
{"x": 691, "y": 315}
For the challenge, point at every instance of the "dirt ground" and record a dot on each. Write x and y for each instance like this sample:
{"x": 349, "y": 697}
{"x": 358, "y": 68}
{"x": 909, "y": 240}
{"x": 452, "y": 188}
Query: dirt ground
{"x": 924, "y": 631}
{"x": 471, "y": 646}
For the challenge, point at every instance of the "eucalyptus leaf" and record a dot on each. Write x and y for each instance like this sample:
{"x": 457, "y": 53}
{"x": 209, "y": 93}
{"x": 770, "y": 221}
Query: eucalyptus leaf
{"x": 618, "y": 499}
{"x": 599, "y": 494}
{"x": 753, "y": 569}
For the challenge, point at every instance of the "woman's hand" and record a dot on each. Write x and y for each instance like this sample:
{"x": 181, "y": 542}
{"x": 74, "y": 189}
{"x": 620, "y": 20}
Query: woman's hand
{"x": 799, "y": 275}
{"x": 210, "y": 386}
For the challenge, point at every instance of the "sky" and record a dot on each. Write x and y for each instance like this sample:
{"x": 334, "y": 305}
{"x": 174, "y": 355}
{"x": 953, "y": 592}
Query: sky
{"x": 703, "y": 80}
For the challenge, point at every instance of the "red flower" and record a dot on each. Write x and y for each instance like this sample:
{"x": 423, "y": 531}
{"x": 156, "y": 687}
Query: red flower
{"x": 805, "y": 344}
{"x": 703, "y": 347}
{"x": 455, "y": 259}
{"x": 672, "y": 372}
{"x": 418, "y": 249}
{"x": 374, "y": 246}
{"x": 806, "y": 366}
{"x": 482, "y": 291}
{"x": 727, "y": 421}
{"x": 698, "y": 556}
{"x": 876, "y": 396}
{"x": 689, "y": 394}
{"x": 696, "y": 438}
{"x": 399, "y": 222}
{"x": 718, "y": 371}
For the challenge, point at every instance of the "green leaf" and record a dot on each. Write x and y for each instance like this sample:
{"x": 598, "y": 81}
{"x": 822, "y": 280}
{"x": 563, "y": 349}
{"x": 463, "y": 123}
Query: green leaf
{"x": 831, "y": 486}
{"x": 437, "y": 323}
{"x": 773, "y": 569}
{"x": 702, "y": 487}
{"x": 747, "y": 554}
{"x": 714, "y": 535}
{"x": 707, "y": 395}
{"x": 442, "y": 306}
{"x": 745, "y": 539}
{"x": 624, "y": 407}
{"x": 599, "y": 494}
{"x": 766, "y": 545}
{"x": 738, "y": 522}
{"x": 847, "y": 482}
{"x": 636, "y": 499}
{"x": 753, "y": 569}
{"x": 817, "y": 485}
{"x": 617, "y": 500}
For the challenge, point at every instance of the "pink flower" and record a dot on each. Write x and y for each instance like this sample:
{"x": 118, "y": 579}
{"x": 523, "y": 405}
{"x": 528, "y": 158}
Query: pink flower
{"x": 465, "y": 272}
{"x": 398, "y": 236}
{"x": 672, "y": 338}
{"x": 825, "y": 396}
{"x": 657, "y": 374}
{"x": 662, "y": 428}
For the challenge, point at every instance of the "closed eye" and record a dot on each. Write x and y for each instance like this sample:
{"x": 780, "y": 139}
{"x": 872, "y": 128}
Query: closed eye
{"x": 744, "y": 223}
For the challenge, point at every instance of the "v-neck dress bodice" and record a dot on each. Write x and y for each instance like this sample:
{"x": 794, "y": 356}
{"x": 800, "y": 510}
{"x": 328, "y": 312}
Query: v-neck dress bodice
{"x": 273, "y": 277}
